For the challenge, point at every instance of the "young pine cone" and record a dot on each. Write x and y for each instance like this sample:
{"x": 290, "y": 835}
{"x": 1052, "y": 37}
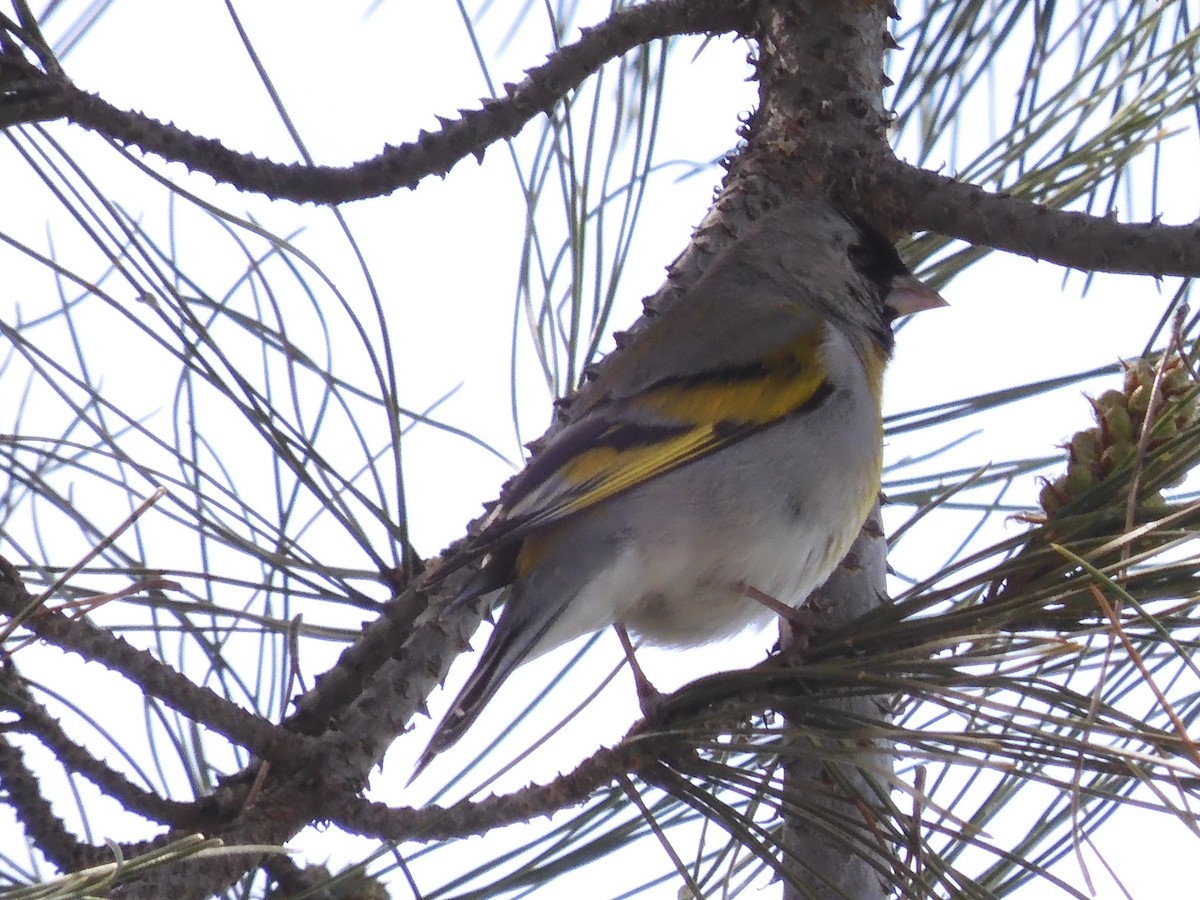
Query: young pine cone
{"x": 1094, "y": 454}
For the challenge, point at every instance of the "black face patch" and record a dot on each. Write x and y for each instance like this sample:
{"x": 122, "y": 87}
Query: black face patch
{"x": 875, "y": 256}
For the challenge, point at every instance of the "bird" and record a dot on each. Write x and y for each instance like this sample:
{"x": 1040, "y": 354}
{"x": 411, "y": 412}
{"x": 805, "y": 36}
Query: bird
{"x": 729, "y": 449}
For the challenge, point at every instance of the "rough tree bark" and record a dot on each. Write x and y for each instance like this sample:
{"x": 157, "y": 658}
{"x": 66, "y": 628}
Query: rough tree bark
{"x": 820, "y": 132}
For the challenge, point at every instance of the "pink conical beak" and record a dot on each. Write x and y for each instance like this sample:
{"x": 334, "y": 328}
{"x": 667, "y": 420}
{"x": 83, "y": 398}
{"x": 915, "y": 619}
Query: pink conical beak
{"x": 910, "y": 295}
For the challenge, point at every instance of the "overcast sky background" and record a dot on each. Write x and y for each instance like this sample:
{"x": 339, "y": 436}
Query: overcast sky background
{"x": 444, "y": 259}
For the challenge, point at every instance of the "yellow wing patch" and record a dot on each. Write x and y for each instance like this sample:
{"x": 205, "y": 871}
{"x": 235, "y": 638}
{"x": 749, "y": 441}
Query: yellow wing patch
{"x": 784, "y": 382}
{"x": 610, "y": 470}
{"x": 721, "y": 408}
{"x": 604, "y": 472}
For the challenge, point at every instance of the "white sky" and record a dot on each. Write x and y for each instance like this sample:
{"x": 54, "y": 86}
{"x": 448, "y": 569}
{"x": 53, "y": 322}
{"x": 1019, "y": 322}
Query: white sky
{"x": 443, "y": 258}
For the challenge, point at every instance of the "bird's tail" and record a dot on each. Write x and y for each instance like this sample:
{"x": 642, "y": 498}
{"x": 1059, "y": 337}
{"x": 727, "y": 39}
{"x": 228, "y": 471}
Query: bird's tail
{"x": 509, "y": 646}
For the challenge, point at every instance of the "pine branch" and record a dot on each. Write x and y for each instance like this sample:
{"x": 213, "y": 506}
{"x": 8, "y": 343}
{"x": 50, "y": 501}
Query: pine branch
{"x": 925, "y": 201}
{"x": 149, "y": 674}
{"x": 36, "y": 721}
{"x": 29, "y": 94}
